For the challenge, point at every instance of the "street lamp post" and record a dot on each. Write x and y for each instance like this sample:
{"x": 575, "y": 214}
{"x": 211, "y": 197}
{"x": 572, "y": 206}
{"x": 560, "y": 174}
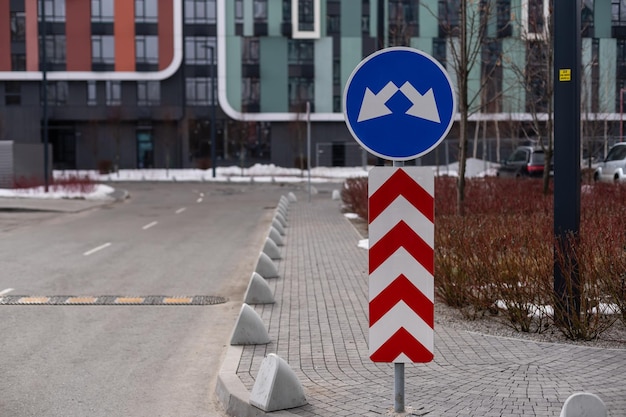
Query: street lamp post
{"x": 621, "y": 114}
{"x": 44, "y": 93}
{"x": 213, "y": 106}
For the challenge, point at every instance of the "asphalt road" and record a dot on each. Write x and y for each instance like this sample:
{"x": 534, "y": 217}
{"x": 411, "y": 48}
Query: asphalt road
{"x": 127, "y": 360}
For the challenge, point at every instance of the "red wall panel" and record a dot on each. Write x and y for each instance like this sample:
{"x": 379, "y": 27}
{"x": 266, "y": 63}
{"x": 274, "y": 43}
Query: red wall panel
{"x": 78, "y": 35}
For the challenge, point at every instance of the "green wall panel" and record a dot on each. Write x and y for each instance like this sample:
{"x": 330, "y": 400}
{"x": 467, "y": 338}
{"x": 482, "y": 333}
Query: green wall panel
{"x": 350, "y": 57}
{"x": 516, "y": 16}
{"x": 274, "y": 75}
{"x": 601, "y": 18}
{"x": 248, "y": 18}
{"x": 607, "y": 73}
{"x": 514, "y": 97}
{"x": 230, "y": 18}
{"x": 324, "y": 75}
{"x": 423, "y": 44}
{"x": 428, "y": 19}
{"x": 373, "y": 19}
{"x": 351, "y": 18}
{"x": 274, "y": 17}
{"x": 233, "y": 71}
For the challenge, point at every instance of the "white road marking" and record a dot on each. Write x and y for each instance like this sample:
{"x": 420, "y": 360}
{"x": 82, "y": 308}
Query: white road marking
{"x": 149, "y": 225}
{"x": 99, "y": 248}
{"x": 180, "y": 210}
{"x": 5, "y": 292}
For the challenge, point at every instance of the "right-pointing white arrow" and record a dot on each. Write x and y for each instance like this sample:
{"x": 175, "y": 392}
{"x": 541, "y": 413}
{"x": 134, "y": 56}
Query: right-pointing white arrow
{"x": 373, "y": 105}
{"x": 424, "y": 106}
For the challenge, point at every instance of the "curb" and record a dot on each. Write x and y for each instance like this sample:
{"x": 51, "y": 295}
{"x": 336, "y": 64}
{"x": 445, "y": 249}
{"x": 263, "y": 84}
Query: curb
{"x": 231, "y": 392}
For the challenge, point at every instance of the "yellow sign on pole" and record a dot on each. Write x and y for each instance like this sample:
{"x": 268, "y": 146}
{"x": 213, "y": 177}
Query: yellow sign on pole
{"x": 565, "y": 74}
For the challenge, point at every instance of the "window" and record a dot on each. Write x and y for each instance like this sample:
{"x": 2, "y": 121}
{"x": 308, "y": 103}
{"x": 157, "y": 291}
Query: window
{"x": 250, "y": 91}
{"x": 535, "y": 18}
{"x": 55, "y": 49}
{"x": 200, "y": 11}
{"x": 300, "y": 51}
{"x": 103, "y": 49}
{"x": 537, "y": 99}
{"x": 238, "y": 11}
{"x": 198, "y": 50}
{"x": 12, "y": 93}
{"x": 618, "y": 12}
{"x": 148, "y": 93}
{"x": 55, "y": 10}
{"x": 18, "y": 27}
{"x": 617, "y": 153}
{"x": 199, "y": 91}
{"x": 101, "y": 10}
{"x": 113, "y": 93}
{"x": 147, "y": 49}
{"x": 146, "y": 11}
{"x": 403, "y": 21}
{"x": 439, "y": 50}
{"x": 18, "y": 62}
{"x": 305, "y": 19}
{"x": 300, "y": 91}
{"x": 57, "y": 93}
{"x": 586, "y": 18}
{"x": 92, "y": 93}
{"x": 503, "y": 18}
{"x": 449, "y": 17}
{"x": 491, "y": 75}
{"x": 260, "y": 10}
{"x": 250, "y": 51}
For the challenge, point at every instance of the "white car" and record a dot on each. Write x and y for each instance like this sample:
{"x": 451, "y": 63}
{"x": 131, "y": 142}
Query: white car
{"x": 613, "y": 168}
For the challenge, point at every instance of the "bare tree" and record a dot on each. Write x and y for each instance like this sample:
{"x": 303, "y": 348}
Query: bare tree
{"x": 465, "y": 25}
{"x": 297, "y": 128}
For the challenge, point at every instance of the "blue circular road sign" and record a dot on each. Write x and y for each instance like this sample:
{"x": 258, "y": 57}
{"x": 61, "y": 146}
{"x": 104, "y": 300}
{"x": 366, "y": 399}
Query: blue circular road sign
{"x": 399, "y": 103}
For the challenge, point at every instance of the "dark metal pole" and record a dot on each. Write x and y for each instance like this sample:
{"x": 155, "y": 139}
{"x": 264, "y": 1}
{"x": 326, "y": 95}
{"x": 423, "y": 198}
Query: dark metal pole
{"x": 213, "y": 105}
{"x": 567, "y": 67}
{"x": 44, "y": 94}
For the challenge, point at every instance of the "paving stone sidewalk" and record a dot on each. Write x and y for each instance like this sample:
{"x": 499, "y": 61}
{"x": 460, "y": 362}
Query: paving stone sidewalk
{"x": 319, "y": 326}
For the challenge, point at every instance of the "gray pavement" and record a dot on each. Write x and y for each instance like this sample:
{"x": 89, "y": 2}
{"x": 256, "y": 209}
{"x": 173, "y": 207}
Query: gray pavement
{"x": 319, "y": 326}
{"x": 58, "y": 205}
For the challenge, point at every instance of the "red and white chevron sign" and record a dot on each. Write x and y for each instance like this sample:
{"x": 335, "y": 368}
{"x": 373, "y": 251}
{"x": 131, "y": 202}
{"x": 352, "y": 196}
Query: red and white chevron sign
{"x": 401, "y": 264}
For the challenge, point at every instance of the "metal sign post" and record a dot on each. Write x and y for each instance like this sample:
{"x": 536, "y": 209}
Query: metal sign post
{"x": 399, "y": 104}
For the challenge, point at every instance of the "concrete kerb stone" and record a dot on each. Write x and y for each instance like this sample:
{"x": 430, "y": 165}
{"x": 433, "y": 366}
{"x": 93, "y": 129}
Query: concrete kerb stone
{"x": 282, "y": 211}
{"x": 276, "y": 237}
{"x": 276, "y": 386}
{"x": 249, "y": 328}
{"x": 259, "y": 291}
{"x": 292, "y": 197}
{"x": 271, "y": 249}
{"x": 279, "y": 227}
{"x": 584, "y": 404}
{"x": 266, "y": 267}
{"x": 232, "y": 393}
{"x": 281, "y": 219}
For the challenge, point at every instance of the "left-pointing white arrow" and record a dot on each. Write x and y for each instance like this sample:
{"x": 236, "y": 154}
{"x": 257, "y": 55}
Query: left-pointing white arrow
{"x": 424, "y": 106}
{"x": 373, "y": 105}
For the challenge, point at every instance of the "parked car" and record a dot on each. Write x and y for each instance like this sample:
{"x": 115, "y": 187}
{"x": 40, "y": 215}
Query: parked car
{"x": 525, "y": 161}
{"x": 613, "y": 168}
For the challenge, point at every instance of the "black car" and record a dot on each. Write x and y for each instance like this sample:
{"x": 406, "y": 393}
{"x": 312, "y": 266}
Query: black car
{"x": 525, "y": 161}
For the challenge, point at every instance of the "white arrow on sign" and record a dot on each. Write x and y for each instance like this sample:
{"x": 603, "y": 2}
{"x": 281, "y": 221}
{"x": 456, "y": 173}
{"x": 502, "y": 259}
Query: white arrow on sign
{"x": 423, "y": 106}
{"x": 373, "y": 105}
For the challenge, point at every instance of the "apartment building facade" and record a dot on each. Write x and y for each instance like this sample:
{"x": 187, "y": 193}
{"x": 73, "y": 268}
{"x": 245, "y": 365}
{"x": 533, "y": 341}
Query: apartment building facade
{"x": 149, "y": 83}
